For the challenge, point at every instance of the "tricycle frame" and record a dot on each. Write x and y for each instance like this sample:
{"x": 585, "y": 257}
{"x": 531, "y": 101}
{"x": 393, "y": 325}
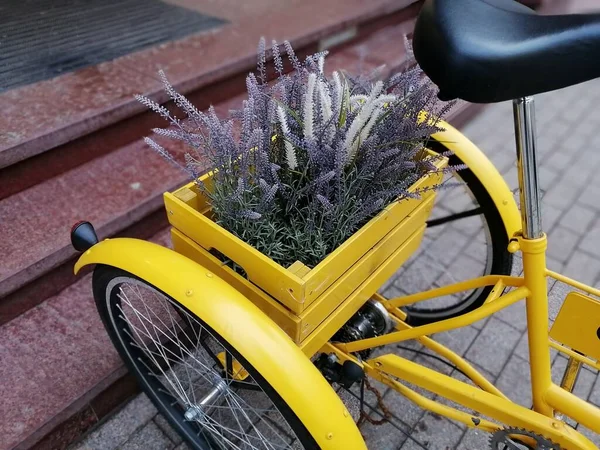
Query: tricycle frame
{"x": 548, "y": 397}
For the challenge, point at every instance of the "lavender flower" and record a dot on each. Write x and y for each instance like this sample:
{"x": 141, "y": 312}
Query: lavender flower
{"x": 308, "y": 159}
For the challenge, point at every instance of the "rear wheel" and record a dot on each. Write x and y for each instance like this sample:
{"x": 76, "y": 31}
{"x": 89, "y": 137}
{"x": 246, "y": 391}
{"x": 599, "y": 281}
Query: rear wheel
{"x": 208, "y": 392}
{"x": 465, "y": 238}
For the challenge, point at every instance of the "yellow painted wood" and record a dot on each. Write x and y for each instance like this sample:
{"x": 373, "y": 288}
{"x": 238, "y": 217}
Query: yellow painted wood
{"x": 332, "y": 267}
{"x": 345, "y": 311}
{"x": 263, "y": 271}
{"x": 299, "y": 269}
{"x": 189, "y": 197}
{"x": 295, "y": 287}
{"x": 299, "y": 327}
{"x": 577, "y": 324}
{"x": 339, "y": 291}
{"x": 287, "y": 320}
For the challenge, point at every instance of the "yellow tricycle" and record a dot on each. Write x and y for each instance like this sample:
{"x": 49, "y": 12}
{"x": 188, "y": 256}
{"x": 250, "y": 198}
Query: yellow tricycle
{"x": 249, "y": 354}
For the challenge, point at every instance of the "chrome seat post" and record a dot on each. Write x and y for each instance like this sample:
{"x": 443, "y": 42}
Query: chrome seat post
{"x": 529, "y": 191}
{"x": 534, "y": 255}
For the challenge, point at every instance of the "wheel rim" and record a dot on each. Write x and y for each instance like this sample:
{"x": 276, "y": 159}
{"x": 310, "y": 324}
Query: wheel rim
{"x": 431, "y": 255}
{"x": 461, "y": 230}
{"x": 181, "y": 363}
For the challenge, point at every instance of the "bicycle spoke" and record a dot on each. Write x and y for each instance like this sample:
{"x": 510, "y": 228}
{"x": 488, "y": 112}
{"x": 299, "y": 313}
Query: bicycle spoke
{"x": 185, "y": 359}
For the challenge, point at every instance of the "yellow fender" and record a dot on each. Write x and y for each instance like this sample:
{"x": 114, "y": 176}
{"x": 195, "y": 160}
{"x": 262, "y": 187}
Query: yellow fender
{"x": 485, "y": 171}
{"x": 272, "y": 353}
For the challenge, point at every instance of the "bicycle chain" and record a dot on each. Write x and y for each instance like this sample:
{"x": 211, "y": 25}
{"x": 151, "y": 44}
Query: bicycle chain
{"x": 387, "y": 415}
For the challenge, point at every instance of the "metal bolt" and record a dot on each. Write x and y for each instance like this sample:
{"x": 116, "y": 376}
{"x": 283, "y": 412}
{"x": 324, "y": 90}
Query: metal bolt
{"x": 189, "y": 292}
{"x": 192, "y": 413}
{"x": 555, "y": 425}
{"x": 330, "y": 436}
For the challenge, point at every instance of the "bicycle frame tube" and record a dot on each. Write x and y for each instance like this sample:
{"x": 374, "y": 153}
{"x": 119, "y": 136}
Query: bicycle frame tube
{"x": 532, "y": 286}
{"x": 533, "y": 246}
{"x": 547, "y": 396}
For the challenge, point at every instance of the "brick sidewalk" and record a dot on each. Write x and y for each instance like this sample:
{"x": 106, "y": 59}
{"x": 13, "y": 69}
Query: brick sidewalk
{"x": 569, "y": 155}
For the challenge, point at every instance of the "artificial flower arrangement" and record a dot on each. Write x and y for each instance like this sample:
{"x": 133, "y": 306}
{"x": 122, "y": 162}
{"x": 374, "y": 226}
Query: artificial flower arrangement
{"x": 310, "y": 158}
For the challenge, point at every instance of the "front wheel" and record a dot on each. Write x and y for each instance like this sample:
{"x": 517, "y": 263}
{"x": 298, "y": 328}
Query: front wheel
{"x": 465, "y": 238}
{"x": 205, "y": 388}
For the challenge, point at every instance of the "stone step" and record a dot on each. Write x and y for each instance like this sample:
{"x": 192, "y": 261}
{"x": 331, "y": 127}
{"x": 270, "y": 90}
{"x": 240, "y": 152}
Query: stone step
{"x": 113, "y": 192}
{"x": 116, "y": 191}
{"x": 60, "y": 373}
{"x": 56, "y": 125}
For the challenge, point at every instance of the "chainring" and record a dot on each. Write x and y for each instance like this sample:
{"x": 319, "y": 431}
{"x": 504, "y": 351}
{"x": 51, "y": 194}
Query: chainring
{"x": 508, "y": 439}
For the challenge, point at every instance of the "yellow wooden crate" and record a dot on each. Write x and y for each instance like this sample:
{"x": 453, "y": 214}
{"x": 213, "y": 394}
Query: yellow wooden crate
{"x": 297, "y": 286}
{"x": 381, "y": 261}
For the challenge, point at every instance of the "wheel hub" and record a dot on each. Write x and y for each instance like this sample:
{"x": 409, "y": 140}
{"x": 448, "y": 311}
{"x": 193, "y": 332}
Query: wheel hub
{"x": 199, "y": 410}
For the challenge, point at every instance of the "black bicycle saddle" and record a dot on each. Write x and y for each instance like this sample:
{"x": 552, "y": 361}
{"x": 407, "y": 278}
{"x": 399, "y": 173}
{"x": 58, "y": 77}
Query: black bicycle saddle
{"x": 487, "y": 51}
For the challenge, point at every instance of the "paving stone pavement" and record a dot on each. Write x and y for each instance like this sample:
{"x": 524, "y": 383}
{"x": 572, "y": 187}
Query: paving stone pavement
{"x": 569, "y": 156}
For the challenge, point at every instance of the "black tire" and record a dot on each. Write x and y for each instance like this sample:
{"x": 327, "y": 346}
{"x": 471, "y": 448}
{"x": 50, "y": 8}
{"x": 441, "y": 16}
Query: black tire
{"x": 498, "y": 261}
{"x": 158, "y": 354}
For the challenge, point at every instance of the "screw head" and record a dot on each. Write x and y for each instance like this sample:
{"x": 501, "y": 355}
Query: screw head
{"x": 189, "y": 292}
{"x": 330, "y": 435}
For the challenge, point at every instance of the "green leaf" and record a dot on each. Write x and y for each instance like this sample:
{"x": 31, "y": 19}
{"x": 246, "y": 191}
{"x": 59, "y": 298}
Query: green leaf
{"x": 293, "y": 113}
{"x": 345, "y": 101}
